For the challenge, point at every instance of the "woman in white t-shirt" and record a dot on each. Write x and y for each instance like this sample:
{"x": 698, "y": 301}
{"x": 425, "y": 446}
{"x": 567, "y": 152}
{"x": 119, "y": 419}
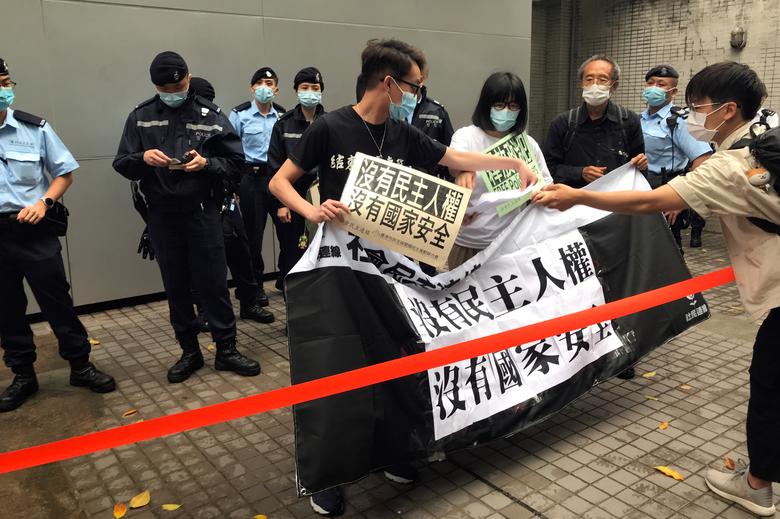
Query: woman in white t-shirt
{"x": 502, "y": 109}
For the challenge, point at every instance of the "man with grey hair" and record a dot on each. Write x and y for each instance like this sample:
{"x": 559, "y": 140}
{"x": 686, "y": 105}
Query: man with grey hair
{"x": 598, "y": 136}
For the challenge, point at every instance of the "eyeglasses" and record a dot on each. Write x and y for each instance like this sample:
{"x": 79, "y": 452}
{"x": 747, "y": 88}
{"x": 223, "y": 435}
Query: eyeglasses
{"x": 8, "y": 84}
{"x": 602, "y": 81}
{"x": 415, "y": 87}
{"x": 512, "y": 106}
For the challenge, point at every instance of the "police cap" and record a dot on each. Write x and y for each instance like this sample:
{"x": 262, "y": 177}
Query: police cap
{"x": 168, "y": 67}
{"x": 662, "y": 71}
{"x": 308, "y": 75}
{"x": 264, "y": 73}
{"x": 202, "y": 88}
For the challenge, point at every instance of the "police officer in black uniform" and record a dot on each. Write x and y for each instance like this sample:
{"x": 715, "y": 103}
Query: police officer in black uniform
{"x": 432, "y": 119}
{"x": 179, "y": 146}
{"x": 30, "y": 249}
{"x": 286, "y": 134}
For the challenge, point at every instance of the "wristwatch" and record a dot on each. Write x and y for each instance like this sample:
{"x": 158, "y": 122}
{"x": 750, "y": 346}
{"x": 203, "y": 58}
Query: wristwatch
{"x": 48, "y": 202}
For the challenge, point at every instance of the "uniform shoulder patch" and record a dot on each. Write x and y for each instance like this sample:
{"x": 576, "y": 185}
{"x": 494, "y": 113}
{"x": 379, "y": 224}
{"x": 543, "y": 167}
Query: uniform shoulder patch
{"x": 29, "y": 118}
{"x": 208, "y": 104}
{"x": 243, "y": 106}
{"x": 144, "y": 103}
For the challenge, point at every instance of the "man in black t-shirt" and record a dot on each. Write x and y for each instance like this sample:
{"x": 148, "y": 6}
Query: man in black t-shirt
{"x": 391, "y": 74}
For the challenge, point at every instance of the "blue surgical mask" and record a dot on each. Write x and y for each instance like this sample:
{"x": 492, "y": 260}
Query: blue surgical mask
{"x": 655, "y": 96}
{"x": 504, "y": 119}
{"x": 173, "y": 99}
{"x": 6, "y": 98}
{"x": 309, "y": 98}
{"x": 263, "y": 94}
{"x": 406, "y": 109}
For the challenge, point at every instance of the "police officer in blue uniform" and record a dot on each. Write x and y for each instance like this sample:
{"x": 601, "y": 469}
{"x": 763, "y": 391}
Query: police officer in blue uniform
{"x": 30, "y": 249}
{"x": 253, "y": 121}
{"x": 287, "y": 132}
{"x": 179, "y": 146}
{"x": 669, "y": 148}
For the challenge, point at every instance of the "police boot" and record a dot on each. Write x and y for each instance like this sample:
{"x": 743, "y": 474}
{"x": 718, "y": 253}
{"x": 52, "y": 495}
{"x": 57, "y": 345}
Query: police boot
{"x": 23, "y": 386}
{"x": 229, "y": 359}
{"x": 262, "y": 297}
{"x": 191, "y": 361}
{"x": 257, "y": 313}
{"x": 85, "y": 374}
{"x": 695, "y": 238}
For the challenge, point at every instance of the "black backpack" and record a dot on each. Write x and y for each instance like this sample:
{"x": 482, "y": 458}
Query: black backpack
{"x": 764, "y": 145}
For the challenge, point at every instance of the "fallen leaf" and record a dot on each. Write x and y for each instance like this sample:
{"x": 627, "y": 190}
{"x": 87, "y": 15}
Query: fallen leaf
{"x": 729, "y": 463}
{"x": 210, "y": 346}
{"x": 670, "y": 472}
{"x": 141, "y": 499}
{"x": 649, "y": 374}
{"x": 120, "y": 509}
{"x": 170, "y": 507}
{"x": 129, "y": 412}
{"x": 686, "y": 387}
{"x": 259, "y": 516}
{"x": 94, "y": 342}
{"x": 650, "y": 397}
{"x": 663, "y": 426}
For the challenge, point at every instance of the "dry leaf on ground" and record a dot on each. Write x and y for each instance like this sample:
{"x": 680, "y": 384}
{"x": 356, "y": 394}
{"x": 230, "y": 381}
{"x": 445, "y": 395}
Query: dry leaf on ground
{"x": 170, "y": 507}
{"x": 686, "y": 387}
{"x": 120, "y": 509}
{"x": 670, "y": 472}
{"x": 210, "y": 346}
{"x": 260, "y": 516}
{"x": 129, "y": 412}
{"x": 94, "y": 342}
{"x": 141, "y": 499}
{"x": 663, "y": 426}
{"x": 729, "y": 463}
{"x": 651, "y": 397}
{"x": 649, "y": 374}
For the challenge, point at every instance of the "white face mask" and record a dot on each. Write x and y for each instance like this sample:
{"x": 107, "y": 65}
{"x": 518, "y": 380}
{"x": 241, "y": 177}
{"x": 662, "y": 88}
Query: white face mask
{"x": 596, "y": 95}
{"x": 695, "y": 123}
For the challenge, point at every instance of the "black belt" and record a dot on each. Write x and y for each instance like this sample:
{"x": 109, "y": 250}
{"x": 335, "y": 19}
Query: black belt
{"x": 258, "y": 169}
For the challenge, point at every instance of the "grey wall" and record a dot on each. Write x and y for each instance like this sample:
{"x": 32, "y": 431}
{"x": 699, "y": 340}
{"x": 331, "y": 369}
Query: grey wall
{"x": 83, "y": 65}
{"x": 688, "y": 34}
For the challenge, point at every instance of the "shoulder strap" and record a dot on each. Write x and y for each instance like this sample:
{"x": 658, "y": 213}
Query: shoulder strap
{"x": 144, "y": 103}
{"x": 29, "y": 118}
{"x": 623, "y": 113}
{"x": 208, "y": 104}
{"x": 243, "y": 106}
{"x": 571, "y": 129}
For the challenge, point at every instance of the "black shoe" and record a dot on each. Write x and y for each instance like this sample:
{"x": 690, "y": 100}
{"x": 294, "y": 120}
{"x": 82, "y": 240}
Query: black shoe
{"x": 92, "y": 378}
{"x": 262, "y": 298}
{"x": 257, "y": 313}
{"x": 402, "y": 473}
{"x": 22, "y": 388}
{"x": 328, "y": 502}
{"x": 627, "y": 374}
{"x": 229, "y": 359}
{"x": 189, "y": 363}
{"x": 203, "y": 323}
{"x": 695, "y": 239}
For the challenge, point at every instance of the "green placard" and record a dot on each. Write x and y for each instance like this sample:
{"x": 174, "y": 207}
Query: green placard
{"x": 514, "y": 145}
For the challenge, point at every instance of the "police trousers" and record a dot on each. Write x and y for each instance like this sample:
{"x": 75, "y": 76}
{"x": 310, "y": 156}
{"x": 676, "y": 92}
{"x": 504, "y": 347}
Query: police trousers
{"x": 190, "y": 251}
{"x": 763, "y": 415}
{"x": 34, "y": 253}
{"x": 256, "y": 205}
{"x": 290, "y": 251}
{"x": 239, "y": 255}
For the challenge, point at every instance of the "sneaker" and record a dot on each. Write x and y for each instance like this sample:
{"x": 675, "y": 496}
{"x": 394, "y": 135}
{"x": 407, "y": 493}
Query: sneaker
{"x": 328, "y": 502}
{"x": 402, "y": 473}
{"x": 734, "y": 486}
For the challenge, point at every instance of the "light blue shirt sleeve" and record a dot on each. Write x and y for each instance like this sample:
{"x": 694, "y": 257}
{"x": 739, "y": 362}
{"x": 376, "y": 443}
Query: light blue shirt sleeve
{"x": 691, "y": 148}
{"x": 235, "y": 120}
{"x": 57, "y": 158}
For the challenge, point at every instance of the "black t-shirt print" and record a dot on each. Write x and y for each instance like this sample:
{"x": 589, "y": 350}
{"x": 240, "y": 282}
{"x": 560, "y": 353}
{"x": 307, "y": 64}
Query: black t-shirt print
{"x": 333, "y": 139}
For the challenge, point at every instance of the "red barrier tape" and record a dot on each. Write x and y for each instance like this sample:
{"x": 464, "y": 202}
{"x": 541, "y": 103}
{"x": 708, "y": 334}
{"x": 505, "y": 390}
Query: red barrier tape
{"x": 355, "y": 379}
